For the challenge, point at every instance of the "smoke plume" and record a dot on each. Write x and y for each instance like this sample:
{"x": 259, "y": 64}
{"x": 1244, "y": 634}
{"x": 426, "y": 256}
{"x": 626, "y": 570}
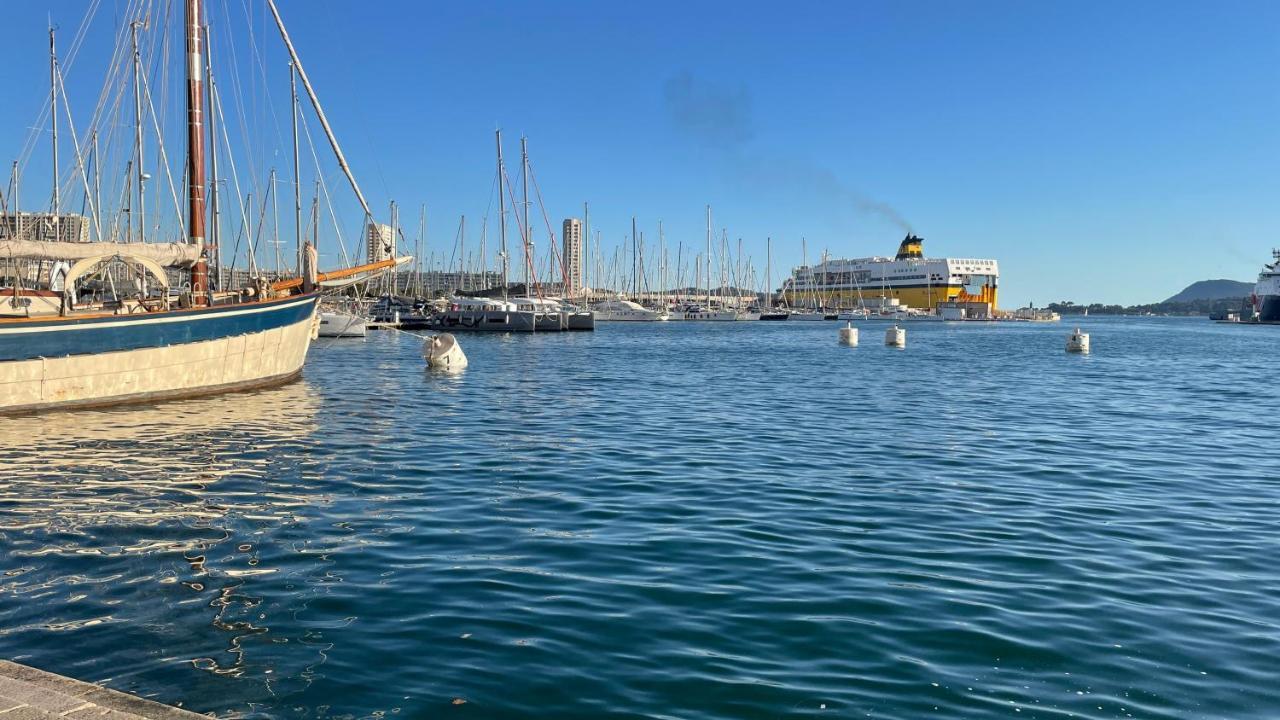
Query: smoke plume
{"x": 720, "y": 120}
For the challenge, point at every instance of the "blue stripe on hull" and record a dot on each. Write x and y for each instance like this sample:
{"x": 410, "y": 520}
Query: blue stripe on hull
{"x": 71, "y": 336}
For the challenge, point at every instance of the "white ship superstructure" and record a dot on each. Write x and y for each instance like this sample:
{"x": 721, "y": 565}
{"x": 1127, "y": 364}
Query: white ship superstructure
{"x": 1266, "y": 292}
{"x": 909, "y": 277}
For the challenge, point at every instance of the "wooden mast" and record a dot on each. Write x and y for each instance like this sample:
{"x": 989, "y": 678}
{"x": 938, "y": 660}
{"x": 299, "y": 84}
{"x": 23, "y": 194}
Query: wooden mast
{"x": 195, "y": 151}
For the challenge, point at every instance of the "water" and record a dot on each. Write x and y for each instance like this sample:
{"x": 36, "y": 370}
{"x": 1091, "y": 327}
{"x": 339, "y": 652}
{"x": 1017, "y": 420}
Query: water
{"x": 675, "y": 521}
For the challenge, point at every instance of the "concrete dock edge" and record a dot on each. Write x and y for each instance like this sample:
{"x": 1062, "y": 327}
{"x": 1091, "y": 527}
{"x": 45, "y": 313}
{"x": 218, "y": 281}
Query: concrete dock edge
{"x": 30, "y": 694}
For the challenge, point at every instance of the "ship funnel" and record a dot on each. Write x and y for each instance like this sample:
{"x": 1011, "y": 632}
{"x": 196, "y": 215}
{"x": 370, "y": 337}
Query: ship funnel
{"x": 912, "y": 247}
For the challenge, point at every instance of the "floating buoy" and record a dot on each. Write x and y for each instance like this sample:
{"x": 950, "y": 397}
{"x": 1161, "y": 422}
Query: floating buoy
{"x": 895, "y": 337}
{"x": 443, "y": 351}
{"x": 1078, "y": 342}
{"x": 849, "y": 335}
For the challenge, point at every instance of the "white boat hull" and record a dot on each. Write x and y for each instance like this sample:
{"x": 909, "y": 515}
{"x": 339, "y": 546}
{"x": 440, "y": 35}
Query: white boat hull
{"x": 635, "y": 316}
{"x": 712, "y": 316}
{"x": 342, "y": 325}
{"x": 225, "y": 364}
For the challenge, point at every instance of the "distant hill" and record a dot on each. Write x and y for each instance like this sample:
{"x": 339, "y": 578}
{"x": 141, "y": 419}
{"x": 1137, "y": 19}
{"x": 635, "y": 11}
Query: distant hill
{"x": 1213, "y": 290}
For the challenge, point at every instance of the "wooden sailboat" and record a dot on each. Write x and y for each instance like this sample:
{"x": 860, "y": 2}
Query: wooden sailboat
{"x": 58, "y": 352}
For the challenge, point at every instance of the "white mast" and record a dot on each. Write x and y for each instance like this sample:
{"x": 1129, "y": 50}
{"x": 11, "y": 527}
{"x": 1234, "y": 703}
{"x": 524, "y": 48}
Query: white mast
{"x": 53, "y": 115}
{"x": 502, "y": 215}
{"x": 528, "y": 232}
{"x": 297, "y": 176}
{"x": 708, "y": 258}
{"x": 137, "y": 135}
{"x": 768, "y": 272}
{"x": 662, "y": 267}
{"x": 215, "y": 230}
{"x": 484, "y": 260}
{"x": 315, "y": 102}
{"x": 804, "y": 260}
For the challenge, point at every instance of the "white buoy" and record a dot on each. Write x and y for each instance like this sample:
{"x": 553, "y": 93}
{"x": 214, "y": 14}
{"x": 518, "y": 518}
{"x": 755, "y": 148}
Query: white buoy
{"x": 895, "y": 337}
{"x": 443, "y": 351}
{"x": 1078, "y": 342}
{"x": 849, "y": 335}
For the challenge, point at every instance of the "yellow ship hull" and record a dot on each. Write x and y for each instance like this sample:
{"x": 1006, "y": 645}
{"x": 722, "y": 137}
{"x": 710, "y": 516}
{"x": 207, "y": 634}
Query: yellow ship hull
{"x": 913, "y": 296}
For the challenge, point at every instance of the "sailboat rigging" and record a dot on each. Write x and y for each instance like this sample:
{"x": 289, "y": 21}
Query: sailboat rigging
{"x": 81, "y": 342}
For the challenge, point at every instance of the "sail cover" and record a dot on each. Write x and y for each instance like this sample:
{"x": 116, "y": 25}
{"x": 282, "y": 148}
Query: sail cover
{"x": 166, "y": 254}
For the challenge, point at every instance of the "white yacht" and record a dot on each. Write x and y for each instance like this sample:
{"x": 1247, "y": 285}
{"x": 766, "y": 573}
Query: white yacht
{"x": 707, "y": 314}
{"x": 492, "y": 314}
{"x": 342, "y": 323}
{"x": 627, "y": 311}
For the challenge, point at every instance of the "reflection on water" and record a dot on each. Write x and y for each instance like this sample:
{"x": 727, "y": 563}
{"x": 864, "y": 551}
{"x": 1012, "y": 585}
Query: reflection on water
{"x": 144, "y": 464}
{"x": 96, "y": 503}
{"x": 656, "y": 521}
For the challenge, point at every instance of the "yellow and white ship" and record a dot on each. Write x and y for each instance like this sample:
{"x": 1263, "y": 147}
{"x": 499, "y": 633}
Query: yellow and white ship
{"x": 908, "y": 279}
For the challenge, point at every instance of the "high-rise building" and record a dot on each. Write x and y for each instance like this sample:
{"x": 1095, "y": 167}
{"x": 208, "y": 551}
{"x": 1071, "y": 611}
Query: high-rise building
{"x": 380, "y": 241}
{"x": 45, "y": 226}
{"x": 573, "y": 260}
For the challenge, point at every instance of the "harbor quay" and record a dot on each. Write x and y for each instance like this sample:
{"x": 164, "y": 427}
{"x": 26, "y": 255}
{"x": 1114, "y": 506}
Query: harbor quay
{"x": 27, "y": 693}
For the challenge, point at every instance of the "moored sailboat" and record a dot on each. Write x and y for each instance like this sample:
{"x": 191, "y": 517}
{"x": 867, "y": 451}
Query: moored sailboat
{"x": 73, "y": 348}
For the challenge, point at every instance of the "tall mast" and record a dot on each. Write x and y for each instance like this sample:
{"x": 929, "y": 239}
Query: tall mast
{"x": 708, "y": 258}
{"x": 586, "y": 238}
{"x": 137, "y": 136}
{"x": 768, "y": 271}
{"x": 462, "y": 252}
{"x": 53, "y": 114}
{"x": 315, "y": 102}
{"x": 97, "y": 183}
{"x": 17, "y": 209}
{"x": 738, "y": 274}
{"x": 484, "y": 248}
{"x": 679, "y": 271}
{"x": 297, "y": 177}
{"x": 662, "y": 267}
{"x": 724, "y": 263}
{"x": 390, "y": 279}
{"x": 528, "y": 232}
{"x": 417, "y": 251}
{"x": 215, "y": 230}
{"x": 804, "y": 260}
{"x": 195, "y": 150}
{"x": 275, "y": 217}
{"x": 315, "y": 218}
{"x": 502, "y": 215}
{"x": 635, "y": 277}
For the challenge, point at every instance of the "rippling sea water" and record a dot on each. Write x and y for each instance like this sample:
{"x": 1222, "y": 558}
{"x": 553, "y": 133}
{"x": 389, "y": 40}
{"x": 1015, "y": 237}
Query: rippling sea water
{"x": 675, "y": 520}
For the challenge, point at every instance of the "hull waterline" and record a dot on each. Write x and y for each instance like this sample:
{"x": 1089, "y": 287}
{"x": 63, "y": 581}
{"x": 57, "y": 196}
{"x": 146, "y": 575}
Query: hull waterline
{"x": 160, "y": 356}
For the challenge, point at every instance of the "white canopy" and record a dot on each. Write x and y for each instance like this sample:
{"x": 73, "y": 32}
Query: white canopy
{"x": 166, "y": 254}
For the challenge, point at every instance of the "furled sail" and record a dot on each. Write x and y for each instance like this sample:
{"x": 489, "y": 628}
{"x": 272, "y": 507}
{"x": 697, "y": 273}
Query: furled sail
{"x": 166, "y": 254}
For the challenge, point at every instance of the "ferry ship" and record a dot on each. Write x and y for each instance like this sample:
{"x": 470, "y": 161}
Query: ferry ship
{"x": 909, "y": 278}
{"x": 1266, "y": 293}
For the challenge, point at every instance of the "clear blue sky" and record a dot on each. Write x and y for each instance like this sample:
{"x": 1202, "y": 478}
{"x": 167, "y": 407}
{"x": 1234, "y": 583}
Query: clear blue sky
{"x": 1101, "y": 151}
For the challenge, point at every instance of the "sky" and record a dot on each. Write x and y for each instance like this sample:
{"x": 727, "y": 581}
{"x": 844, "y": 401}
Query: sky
{"x": 1100, "y": 151}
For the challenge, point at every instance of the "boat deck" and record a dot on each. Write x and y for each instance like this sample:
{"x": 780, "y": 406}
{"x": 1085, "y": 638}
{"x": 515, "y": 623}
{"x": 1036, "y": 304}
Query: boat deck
{"x": 30, "y": 694}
